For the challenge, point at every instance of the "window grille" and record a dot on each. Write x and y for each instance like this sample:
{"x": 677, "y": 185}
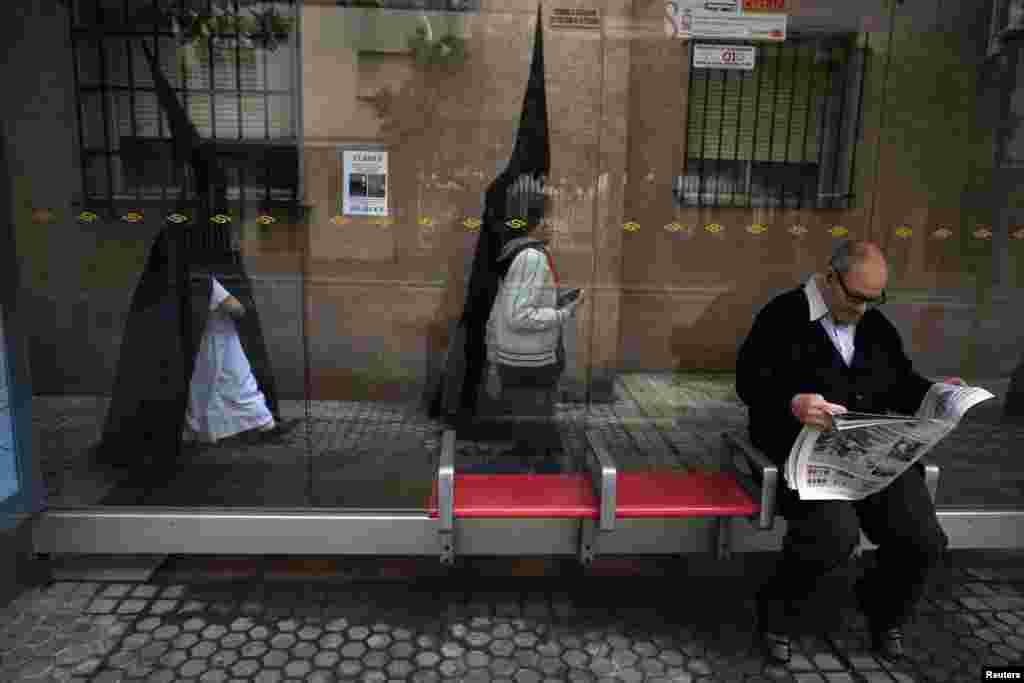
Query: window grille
{"x": 243, "y": 100}
{"x": 782, "y": 135}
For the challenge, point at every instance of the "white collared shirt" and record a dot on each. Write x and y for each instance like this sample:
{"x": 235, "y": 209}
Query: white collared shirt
{"x": 841, "y": 335}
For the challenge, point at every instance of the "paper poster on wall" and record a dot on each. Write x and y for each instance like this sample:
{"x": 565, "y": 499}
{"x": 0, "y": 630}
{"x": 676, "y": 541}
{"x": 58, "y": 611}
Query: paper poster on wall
{"x": 364, "y": 183}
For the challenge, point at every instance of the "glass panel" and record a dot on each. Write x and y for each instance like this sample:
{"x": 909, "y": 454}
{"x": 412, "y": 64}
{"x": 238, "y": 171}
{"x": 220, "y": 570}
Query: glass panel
{"x": 160, "y": 378}
{"x": 336, "y": 183}
{"x": 8, "y": 461}
{"x": 694, "y": 279}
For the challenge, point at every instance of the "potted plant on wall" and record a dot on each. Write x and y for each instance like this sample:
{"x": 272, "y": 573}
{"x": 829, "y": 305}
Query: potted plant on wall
{"x": 448, "y": 50}
{"x": 412, "y": 109}
{"x": 196, "y": 29}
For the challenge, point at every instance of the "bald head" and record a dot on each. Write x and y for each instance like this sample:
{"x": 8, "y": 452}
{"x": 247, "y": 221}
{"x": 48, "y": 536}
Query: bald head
{"x": 853, "y": 254}
{"x": 859, "y": 273}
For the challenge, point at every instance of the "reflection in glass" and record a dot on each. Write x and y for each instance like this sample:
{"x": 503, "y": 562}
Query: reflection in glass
{"x": 358, "y": 318}
{"x": 179, "y": 355}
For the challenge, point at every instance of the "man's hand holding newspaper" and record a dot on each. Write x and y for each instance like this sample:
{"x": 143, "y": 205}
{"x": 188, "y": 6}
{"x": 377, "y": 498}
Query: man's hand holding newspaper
{"x": 840, "y": 455}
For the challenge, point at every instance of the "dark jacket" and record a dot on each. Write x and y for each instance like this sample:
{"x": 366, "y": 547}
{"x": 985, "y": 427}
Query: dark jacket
{"x": 787, "y": 354}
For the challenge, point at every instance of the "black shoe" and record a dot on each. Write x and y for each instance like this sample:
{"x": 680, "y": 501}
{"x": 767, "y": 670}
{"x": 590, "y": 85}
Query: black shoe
{"x": 888, "y": 642}
{"x": 775, "y": 641}
{"x": 279, "y": 431}
{"x": 777, "y": 646}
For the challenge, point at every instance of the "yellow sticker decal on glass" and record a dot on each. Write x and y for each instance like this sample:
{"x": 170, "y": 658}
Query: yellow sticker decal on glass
{"x": 177, "y": 218}
{"x": 220, "y": 219}
{"x": 757, "y": 229}
{"x": 265, "y": 219}
{"x": 903, "y": 232}
{"x": 383, "y": 220}
{"x": 838, "y": 231}
{"x": 797, "y": 230}
{"x": 472, "y": 223}
{"x": 942, "y": 233}
{"x": 714, "y": 228}
{"x": 87, "y": 217}
{"x": 426, "y": 220}
{"x": 516, "y": 224}
{"x": 631, "y": 226}
{"x": 341, "y": 220}
{"x": 132, "y": 217}
{"x": 677, "y": 227}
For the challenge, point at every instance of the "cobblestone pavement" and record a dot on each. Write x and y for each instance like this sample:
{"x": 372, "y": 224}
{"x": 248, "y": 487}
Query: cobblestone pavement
{"x": 230, "y": 620}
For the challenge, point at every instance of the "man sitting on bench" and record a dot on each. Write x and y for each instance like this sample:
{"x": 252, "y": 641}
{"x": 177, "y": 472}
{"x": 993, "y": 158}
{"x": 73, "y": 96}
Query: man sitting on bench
{"x": 813, "y": 352}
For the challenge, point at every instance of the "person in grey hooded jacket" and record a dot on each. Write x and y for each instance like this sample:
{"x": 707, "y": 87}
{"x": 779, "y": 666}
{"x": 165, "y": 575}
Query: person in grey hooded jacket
{"x": 525, "y": 346}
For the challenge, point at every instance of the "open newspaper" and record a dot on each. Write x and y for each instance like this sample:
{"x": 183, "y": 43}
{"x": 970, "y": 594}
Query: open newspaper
{"x": 864, "y": 452}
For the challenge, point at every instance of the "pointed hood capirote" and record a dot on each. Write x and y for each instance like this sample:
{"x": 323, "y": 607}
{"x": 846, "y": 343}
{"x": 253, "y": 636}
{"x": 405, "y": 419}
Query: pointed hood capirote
{"x": 531, "y": 157}
{"x": 170, "y": 306}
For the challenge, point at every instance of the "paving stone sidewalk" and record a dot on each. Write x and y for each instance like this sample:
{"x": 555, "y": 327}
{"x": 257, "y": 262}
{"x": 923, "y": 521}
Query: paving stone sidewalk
{"x": 187, "y": 623}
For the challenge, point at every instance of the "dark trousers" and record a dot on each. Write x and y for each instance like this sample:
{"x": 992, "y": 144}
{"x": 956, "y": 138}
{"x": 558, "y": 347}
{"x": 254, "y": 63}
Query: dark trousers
{"x": 821, "y": 536}
{"x": 531, "y": 393}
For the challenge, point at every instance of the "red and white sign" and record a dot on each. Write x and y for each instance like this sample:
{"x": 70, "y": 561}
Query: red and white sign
{"x": 765, "y": 6}
{"x": 740, "y": 57}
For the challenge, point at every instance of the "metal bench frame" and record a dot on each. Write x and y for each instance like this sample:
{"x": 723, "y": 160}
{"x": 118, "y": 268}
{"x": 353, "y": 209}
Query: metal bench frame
{"x": 602, "y": 473}
{"x": 603, "y": 476}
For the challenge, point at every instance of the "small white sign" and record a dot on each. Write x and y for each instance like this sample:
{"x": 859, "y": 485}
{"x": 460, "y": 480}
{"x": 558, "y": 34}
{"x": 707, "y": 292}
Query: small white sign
{"x": 695, "y": 19}
{"x": 364, "y": 183}
{"x": 717, "y": 6}
{"x": 741, "y": 57}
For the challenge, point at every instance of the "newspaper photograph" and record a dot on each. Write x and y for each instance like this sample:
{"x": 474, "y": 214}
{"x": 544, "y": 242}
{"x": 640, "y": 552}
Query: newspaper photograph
{"x": 863, "y": 453}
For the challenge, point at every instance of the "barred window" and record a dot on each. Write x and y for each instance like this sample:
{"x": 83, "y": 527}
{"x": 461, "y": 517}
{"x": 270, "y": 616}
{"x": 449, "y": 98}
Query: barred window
{"x": 243, "y": 100}
{"x": 782, "y": 135}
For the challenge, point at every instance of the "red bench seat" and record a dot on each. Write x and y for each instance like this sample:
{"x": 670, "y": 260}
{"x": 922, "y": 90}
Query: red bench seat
{"x": 639, "y": 494}
{"x": 682, "y": 494}
{"x": 521, "y": 495}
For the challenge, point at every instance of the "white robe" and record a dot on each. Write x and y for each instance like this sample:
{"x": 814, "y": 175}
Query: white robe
{"x": 224, "y": 398}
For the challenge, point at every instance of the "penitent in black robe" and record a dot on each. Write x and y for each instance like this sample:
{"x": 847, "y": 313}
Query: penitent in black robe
{"x": 168, "y": 315}
{"x": 170, "y": 306}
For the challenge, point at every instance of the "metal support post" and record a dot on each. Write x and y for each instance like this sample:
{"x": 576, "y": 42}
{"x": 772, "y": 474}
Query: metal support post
{"x": 446, "y": 498}
{"x": 723, "y": 537}
{"x": 588, "y": 542}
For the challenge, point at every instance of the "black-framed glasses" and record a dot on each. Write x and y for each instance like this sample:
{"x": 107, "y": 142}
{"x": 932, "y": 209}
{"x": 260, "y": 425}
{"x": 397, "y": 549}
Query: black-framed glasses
{"x": 858, "y": 299}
